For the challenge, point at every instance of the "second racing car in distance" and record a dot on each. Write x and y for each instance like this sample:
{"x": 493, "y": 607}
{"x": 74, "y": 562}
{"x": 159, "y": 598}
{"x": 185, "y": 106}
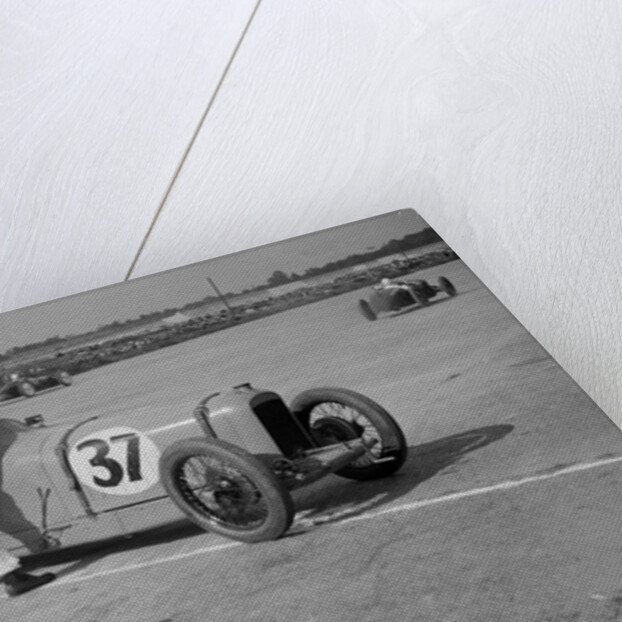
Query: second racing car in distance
{"x": 15, "y": 384}
{"x": 391, "y": 296}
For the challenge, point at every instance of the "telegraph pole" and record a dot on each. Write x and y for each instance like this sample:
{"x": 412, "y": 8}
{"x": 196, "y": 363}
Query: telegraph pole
{"x": 221, "y": 296}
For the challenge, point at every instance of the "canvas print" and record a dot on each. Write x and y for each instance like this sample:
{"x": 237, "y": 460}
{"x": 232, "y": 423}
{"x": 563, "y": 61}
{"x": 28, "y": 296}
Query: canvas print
{"x": 342, "y": 426}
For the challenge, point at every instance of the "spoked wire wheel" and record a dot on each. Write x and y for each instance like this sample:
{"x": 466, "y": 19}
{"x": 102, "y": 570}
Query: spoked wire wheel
{"x": 333, "y": 415}
{"x": 333, "y": 422}
{"x": 225, "y": 489}
{"x": 221, "y": 491}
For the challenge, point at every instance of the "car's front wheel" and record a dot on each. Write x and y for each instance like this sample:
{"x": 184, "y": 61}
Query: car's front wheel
{"x": 333, "y": 415}
{"x": 225, "y": 489}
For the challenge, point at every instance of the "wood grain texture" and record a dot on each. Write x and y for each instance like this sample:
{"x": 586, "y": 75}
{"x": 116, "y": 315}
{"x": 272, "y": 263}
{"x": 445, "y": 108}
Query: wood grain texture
{"x": 499, "y": 122}
{"x": 97, "y": 103}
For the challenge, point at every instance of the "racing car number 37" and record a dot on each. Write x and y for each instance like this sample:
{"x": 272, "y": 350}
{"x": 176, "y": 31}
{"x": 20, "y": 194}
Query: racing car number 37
{"x": 116, "y": 461}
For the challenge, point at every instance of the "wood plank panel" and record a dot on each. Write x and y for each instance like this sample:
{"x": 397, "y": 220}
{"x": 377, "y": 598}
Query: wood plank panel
{"x": 98, "y": 102}
{"x": 499, "y": 122}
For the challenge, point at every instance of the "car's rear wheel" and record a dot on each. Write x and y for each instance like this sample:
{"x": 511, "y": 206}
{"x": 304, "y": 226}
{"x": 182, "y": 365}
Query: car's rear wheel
{"x": 367, "y": 311}
{"x": 25, "y": 388}
{"x": 333, "y": 415}
{"x": 225, "y": 489}
{"x": 447, "y": 286}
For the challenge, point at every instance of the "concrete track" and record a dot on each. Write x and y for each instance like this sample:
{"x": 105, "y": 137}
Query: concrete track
{"x": 507, "y": 508}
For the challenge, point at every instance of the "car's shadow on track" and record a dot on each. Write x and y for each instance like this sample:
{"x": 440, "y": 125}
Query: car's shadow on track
{"x": 419, "y": 307}
{"x": 317, "y": 505}
{"x": 82, "y": 556}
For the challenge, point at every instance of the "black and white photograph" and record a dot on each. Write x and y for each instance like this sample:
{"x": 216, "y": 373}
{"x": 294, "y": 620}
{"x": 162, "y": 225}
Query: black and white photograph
{"x": 345, "y": 425}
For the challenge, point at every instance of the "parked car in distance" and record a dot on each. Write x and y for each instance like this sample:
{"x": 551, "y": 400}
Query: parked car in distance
{"x": 390, "y": 296}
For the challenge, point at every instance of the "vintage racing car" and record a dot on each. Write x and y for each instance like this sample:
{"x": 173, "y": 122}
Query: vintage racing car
{"x": 391, "y": 296}
{"x": 229, "y": 467}
{"x": 14, "y": 384}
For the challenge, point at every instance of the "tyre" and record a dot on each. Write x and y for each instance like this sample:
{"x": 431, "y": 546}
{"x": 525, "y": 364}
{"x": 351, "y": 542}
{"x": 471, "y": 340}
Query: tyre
{"x": 447, "y": 286}
{"x": 64, "y": 377}
{"x": 224, "y": 489}
{"x": 332, "y": 415}
{"x": 25, "y": 388}
{"x": 367, "y": 311}
{"x": 12, "y": 425}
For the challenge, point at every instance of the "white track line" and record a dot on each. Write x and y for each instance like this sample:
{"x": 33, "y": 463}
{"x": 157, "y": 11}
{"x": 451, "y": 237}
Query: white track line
{"x": 507, "y": 485}
{"x": 422, "y": 503}
{"x": 153, "y": 562}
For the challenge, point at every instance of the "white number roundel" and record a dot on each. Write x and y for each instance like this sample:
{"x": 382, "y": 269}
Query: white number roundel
{"x": 116, "y": 461}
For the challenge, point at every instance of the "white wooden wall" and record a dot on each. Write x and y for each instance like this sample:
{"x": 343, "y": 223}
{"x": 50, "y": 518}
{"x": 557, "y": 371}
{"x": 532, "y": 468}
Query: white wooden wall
{"x": 137, "y": 137}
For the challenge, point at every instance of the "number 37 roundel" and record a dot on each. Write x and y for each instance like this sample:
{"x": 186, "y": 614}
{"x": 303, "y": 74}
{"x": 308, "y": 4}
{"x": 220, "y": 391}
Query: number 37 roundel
{"x": 117, "y": 461}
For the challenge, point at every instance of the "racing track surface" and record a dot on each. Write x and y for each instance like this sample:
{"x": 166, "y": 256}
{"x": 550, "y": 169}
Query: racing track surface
{"x": 507, "y": 509}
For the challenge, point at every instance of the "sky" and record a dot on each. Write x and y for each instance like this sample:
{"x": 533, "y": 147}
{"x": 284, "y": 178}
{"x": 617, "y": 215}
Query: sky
{"x": 175, "y": 288}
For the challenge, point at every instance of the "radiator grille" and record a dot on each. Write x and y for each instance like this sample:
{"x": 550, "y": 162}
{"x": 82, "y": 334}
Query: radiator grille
{"x": 287, "y": 433}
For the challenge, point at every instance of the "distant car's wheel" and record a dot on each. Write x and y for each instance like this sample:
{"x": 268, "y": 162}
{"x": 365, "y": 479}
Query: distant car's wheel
{"x": 333, "y": 415}
{"x": 25, "y": 388}
{"x": 447, "y": 286}
{"x": 225, "y": 489}
{"x": 367, "y": 311}
{"x": 64, "y": 377}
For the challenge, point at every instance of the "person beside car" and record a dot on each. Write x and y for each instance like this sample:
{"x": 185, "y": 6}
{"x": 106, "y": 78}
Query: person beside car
{"x": 13, "y": 523}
